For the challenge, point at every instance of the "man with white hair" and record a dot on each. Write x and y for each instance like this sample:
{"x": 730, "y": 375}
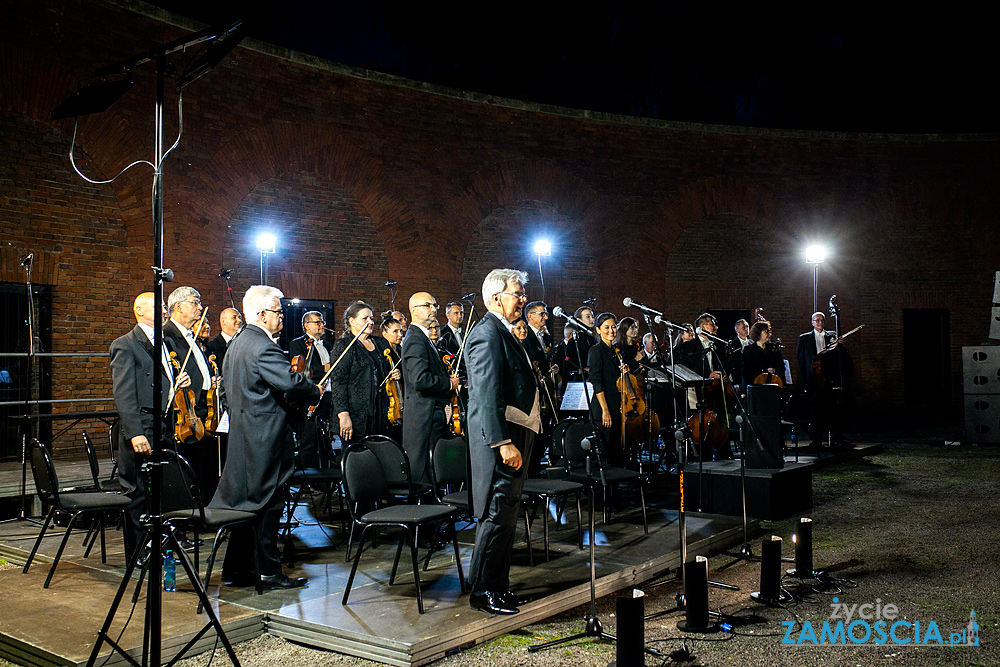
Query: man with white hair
{"x": 503, "y": 420}
{"x": 261, "y": 387}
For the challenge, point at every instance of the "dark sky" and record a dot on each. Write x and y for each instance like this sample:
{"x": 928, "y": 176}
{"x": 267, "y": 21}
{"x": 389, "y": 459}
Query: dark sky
{"x": 832, "y": 66}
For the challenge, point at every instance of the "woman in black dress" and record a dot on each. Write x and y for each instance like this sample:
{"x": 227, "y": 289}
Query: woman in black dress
{"x": 359, "y": 401}
{"x": 627, "y": 342}
{"x": 761, "y": 356}
{"x": 605, "y": 368}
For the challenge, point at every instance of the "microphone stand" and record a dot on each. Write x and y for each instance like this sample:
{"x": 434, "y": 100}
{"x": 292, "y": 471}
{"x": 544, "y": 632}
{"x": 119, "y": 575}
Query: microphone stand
{"x": 745, "y": 552}
{"x": 225, "y": 275}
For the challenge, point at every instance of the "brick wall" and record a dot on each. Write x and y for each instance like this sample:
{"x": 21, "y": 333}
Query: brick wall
{"x": 367, "y": 178}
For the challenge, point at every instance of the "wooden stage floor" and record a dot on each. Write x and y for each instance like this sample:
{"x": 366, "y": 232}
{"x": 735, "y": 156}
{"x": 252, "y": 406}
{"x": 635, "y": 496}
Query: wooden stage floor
{"x": 58, "y": 626}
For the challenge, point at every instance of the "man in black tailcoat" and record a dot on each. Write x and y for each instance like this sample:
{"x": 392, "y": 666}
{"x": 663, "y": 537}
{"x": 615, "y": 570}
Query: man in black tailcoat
{"x": 262, "y": 388}
{"x": 133, "y": 363}
{"x": 503, "y": 420}
{"x": 821, "y": 418}
{"x": 427, "y": 385}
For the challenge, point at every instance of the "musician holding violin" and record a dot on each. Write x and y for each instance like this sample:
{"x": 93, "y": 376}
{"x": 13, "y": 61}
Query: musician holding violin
{"x": 360, "y": 404}
{"x": 606, "y": 368}
{"x": 310, "y": 357}
{"x": 133, "y": 362}
{"x": 186, "y": 312}
{"x": 761, "y": 359}
{"x": 391, "y": 340}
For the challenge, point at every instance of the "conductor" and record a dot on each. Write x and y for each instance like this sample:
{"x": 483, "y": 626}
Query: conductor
{"x": 503, "y": 420}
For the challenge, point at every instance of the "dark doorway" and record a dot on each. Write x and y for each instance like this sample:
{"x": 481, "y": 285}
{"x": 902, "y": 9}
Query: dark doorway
{"x": 294, "y": 309}
{"x": 17, "y": 382}
{"x": 727, "y": 318}
{"x": 926, "y": 359}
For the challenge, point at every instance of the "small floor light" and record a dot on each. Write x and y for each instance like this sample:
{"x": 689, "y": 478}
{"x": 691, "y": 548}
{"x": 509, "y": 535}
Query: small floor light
{"x": 770, "y": 574}
{"x": 803, "y": 539}
{"x": 696, "y": 598}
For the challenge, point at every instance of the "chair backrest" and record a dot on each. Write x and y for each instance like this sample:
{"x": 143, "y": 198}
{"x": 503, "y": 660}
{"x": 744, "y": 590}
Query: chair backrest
{"x": 558, "y": 433}
{"x": 576, "y": 455}
{"x": 114, "y": 433}
{"x": 44, "y": 473}
{"x": 449, "y": 462}
{"x": 179, "y": 484}
{"x": 364, "y": 479}
{"x": 95, "y": 467}
{"x": 392, "y": 456}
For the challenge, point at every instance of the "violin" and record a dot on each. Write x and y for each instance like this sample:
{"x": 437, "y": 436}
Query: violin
{"x": 214, "y": 401}
{"x": 456, "y": 408}
{"x": 188, "y": 428}
{"x": 392, "y": 391}
{"x": 300, "y": 362}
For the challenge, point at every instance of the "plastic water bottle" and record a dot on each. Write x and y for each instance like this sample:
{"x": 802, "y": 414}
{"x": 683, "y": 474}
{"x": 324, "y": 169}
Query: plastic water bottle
{"x": 169, "y": 571}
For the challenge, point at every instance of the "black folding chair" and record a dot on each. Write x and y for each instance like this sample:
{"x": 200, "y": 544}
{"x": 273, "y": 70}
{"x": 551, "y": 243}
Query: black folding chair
{"x": 183, "y": 509}
{"x": 607, "y": 476}
{"x": 366, "y": 486}
{"x": 76, "y": 503}
{"x": 111, "y": 484}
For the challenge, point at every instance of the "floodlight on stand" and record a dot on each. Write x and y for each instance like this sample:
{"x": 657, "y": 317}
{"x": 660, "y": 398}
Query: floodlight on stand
{"x": 266, "y": 243}
{"x": 543, "y": 249}
{"x": 770, "y": 574}
{"x": 815, "y": 254}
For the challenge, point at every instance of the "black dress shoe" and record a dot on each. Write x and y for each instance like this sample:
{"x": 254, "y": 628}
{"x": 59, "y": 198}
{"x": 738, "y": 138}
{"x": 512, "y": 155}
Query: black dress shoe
{"x": 491, "y": 602}
{"x": 282, "y": 581}
{"x": 509, "y": 599}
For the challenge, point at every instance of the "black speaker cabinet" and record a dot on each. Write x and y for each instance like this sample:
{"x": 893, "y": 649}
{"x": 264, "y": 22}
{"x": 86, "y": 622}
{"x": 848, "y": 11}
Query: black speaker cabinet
{"x": 764, "y": 408}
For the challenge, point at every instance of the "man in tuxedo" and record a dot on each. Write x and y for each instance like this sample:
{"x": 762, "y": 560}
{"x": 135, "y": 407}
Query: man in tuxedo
{"x": 539, "y": 342}
{"x": 503, "y": 421}
{"x": 230, "y": 322}
{"x": 451, "y": 336}
{"x": 702, "y": 355}
{"x": 185, "y": 309}
{"x": 427, "y": 386}
{"x": 312, "y": 348}
{"x": 262, "y": 388}
{"x": 809, "y": 345}
{"x": 133, "y": 362}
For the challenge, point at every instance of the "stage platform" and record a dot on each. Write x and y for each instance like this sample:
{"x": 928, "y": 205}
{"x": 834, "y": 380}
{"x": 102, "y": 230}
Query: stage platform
{"x": 58, "y": 626}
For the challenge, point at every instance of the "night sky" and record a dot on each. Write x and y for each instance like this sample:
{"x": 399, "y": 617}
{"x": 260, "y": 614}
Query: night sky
{"x": 820, "y": 66}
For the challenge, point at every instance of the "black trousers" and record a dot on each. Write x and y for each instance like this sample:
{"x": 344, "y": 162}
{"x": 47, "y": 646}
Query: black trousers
{"x": 243, "y": 540}
{"x": 491, "y": 555}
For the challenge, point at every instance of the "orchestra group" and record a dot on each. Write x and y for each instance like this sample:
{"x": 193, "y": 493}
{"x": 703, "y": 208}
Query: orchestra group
{"x": 246, "y": 413}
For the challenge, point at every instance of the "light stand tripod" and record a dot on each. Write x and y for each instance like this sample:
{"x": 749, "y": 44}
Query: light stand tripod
{"x": 217, "y": 43}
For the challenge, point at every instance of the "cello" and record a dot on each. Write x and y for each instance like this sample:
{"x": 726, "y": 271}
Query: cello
{"x": 636, "y": 415}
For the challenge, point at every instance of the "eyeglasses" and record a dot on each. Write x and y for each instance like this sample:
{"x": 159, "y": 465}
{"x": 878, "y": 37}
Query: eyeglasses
{"x": 427, "y": 305}
{"x": 196, "y": 302}
{"x": 272, "y": 310}
{"x": 315, "y": 322}
{"x": 517, "y": 295}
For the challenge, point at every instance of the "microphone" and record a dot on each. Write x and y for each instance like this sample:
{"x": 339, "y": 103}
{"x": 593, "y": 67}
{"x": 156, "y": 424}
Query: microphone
{"x": 559, "y": 312}
{"x": 659, "y": 319}
{"x": 470, "y": 295}
{"x": 590, "y": 302}
{"x": 225, "y": 273}
{"x": 26, "y": 259}
{"x": 629, "y": 303}
{"x": 391, "y": 283}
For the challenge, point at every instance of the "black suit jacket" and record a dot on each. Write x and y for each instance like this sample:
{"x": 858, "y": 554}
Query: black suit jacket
{"x": 218, "y": 347}
{"x": 297, "y": 346}
{"x": 806, "y": 352}
{"x": 535, "y": 351}
{"x": 427, "y": 388}
{"x": 261, "y": 388}
{"x": 447, "y": 341}
{"x": 499, "y": 377}
{"x": 696, "y": 357}
{"x": 133, "y": 363}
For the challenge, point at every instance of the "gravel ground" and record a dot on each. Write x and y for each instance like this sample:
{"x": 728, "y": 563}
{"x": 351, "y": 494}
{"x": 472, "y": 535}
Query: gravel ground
{"x": 915, "y": 526}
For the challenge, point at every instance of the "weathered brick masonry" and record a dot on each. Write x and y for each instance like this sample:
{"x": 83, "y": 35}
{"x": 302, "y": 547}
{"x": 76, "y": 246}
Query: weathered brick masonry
{"x": 365, "y": 178}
